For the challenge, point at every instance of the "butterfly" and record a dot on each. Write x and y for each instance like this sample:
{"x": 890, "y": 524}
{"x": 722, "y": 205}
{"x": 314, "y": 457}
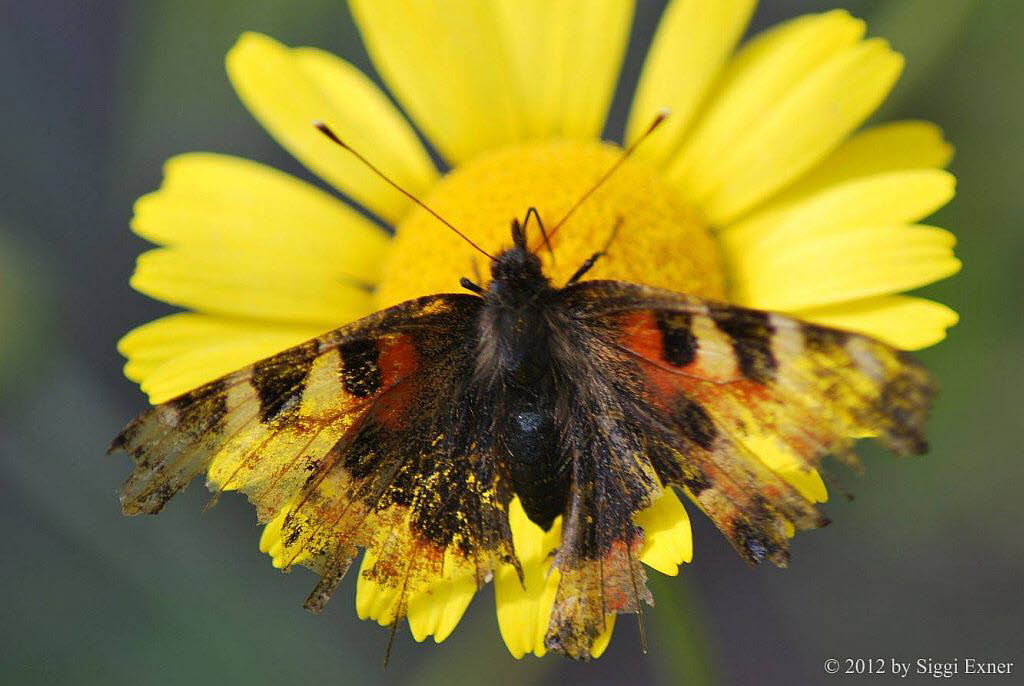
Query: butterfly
{"x": 410, "y": 431}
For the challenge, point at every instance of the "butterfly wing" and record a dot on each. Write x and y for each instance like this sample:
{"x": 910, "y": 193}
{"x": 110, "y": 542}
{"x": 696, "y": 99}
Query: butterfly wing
{"x": 687, "y": 392}
{"x": 347, "y": 437}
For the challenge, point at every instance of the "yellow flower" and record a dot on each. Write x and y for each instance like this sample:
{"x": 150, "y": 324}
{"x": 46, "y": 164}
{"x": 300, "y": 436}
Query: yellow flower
{"x": 757, "y": 190}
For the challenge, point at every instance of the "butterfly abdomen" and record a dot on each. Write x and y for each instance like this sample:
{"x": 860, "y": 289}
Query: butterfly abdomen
{"x": 525, "y": 426}
{"x": 537, "y": 470}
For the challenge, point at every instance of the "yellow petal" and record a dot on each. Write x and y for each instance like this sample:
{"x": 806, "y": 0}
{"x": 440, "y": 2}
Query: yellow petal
{"x": 179, "y": 352}
{"x": 903, "y": 321}
{"x": 604, "y": 638}
{"x": 667, "y": 537}
{"x": 693, "y": 41}
{"x": 788, "y": 465}
{"x": 287, "y": 89}
{"x": 434, "y": 611}
{"x": 227, "y": 204}
{"x": 373, "y": 601}
{"x": 763, "y": 73}
{"x": 252, "y": 283}
{"x": 566, "y": 58}
{"x": 894, "y": 146}
{"x": 524, "y": 608}
{"x": 437, "y": 610}
{"x": 803, "y": 127}
{"x": 890, "y": 198}
{"x": 845, "y": 266}
{"x": 272, "y": 545}
{"x": 446, "y": 64}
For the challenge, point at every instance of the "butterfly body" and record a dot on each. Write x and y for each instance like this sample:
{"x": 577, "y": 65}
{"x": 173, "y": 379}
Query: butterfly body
{"x": 410, "y": 432}
{"x": 519, "y": 369}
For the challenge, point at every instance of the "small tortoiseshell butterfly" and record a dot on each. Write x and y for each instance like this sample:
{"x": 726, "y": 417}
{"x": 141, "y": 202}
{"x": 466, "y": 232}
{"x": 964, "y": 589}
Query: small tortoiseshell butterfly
{"x": 412, "y": 429}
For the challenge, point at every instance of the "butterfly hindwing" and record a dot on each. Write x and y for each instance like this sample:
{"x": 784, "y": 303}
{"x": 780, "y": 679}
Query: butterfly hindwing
{"x": 721, "y": 379}
{"x": 341, "y": 441}
{"x": 610, "y": 478}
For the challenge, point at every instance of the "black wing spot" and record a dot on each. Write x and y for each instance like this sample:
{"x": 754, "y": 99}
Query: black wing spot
{"x": 696, "y": 482}
{"x": 365, "y": 454}
{"x": 756, "y": 545}
{"x": 751, "y": 334}
{"x": 279, "y": 383}
{"x": 753, "y": 542}
{"x": 904, "y": 402}
{"x": 202, "y": 410}
{"x": 695, "y": 422}
{"x": 822, "y": 339}
{"x": 678, "y": 342}
{"x": 360, "y": 367}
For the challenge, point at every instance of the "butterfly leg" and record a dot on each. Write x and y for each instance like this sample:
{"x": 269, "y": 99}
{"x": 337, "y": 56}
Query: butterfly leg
{"x": 584, "y": 268}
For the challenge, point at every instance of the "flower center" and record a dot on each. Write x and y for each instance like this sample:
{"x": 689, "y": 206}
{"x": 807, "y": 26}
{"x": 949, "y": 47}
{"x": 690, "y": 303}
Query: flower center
{"x": 661, "y": 241}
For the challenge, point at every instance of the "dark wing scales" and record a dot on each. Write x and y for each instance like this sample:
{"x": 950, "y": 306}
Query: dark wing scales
{"x": 341, "y": 442}
{"x": 612, "y": 480}
{"x": 674, "y": 390}
{"x": 723, "y": 379}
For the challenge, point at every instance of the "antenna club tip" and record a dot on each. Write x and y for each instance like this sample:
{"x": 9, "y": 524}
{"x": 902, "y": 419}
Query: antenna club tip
{"x": 326, "y": 130}
{"x": 662, "y": 114}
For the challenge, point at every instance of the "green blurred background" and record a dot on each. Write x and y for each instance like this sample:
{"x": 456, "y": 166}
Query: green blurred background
{"x": 927, "y": 562}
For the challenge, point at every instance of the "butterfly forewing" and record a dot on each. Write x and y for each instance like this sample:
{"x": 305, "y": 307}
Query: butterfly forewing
{"x": 342, "y": 439}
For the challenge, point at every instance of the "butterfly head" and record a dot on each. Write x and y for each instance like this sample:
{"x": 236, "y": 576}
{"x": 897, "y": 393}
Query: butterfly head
{"x": 516, "y": 272}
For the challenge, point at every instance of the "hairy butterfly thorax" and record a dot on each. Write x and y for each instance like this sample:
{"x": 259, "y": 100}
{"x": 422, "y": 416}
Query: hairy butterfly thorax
{"x": 513, "y": 329}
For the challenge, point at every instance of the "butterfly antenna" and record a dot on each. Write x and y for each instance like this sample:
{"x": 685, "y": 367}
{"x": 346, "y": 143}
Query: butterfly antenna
{"x": 326, "y": 130}
{"x": 658, "y": 119}
{"x": 543, "y": 232}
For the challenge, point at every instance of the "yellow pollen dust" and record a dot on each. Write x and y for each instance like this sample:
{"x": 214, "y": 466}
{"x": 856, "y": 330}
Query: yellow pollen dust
{"x": 661, "y": 241}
